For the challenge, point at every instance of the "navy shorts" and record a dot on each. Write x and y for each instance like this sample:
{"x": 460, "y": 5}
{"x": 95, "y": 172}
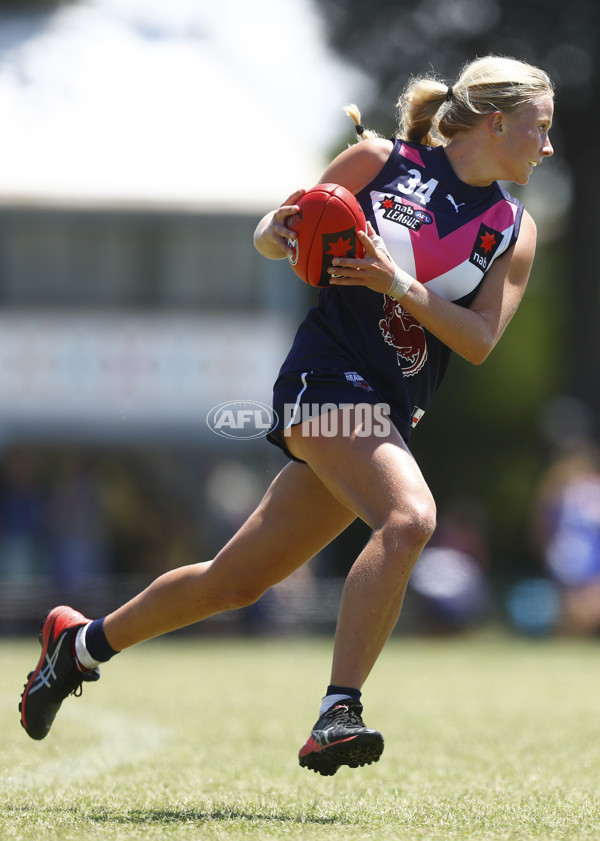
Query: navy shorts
{"x": 299, "y": 396}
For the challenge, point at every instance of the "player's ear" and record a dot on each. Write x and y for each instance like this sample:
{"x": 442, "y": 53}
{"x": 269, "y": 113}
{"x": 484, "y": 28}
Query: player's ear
{"x": 496, "y": 123}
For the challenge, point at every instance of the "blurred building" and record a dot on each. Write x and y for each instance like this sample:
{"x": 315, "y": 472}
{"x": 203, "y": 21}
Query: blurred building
{"x": 120, "y": 329}
{"x": 140, "y": 152}
{"x": 120, "y": 324}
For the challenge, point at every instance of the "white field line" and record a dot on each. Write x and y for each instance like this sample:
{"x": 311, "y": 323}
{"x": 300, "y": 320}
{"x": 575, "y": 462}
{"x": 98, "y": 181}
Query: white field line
{"x": 114, "y": 739}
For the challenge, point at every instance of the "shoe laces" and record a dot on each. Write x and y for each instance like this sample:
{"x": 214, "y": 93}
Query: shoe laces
{"x": 346, "y": 713}
{"x": 68, "y": 684}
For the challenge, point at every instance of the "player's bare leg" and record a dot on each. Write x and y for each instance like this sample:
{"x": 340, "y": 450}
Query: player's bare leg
{"x": 295, "y": 520}
{"x": 378, "y": 479}
{"x": 305, "y": 508}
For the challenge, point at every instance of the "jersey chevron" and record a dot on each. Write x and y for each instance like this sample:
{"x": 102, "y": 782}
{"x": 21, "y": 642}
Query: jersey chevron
{"x": 437, "y": 233}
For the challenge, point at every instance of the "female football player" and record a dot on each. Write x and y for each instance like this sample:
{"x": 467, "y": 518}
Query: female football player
{"x": 447, "y": 257}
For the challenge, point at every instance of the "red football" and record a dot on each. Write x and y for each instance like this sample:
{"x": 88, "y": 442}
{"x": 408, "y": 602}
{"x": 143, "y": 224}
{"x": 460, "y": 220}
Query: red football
{"x": 325, "y": 228}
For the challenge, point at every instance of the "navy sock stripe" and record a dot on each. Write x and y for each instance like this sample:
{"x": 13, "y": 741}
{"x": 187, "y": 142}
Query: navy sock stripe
{"x": 96, "y": 642}
{"x": 332, "y": 689}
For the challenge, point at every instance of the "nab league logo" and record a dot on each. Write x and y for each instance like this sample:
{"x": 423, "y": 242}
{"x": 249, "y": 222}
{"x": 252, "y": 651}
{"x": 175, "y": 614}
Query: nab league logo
{"x": 243, "y": 419}
{"x": 404, "y": 214}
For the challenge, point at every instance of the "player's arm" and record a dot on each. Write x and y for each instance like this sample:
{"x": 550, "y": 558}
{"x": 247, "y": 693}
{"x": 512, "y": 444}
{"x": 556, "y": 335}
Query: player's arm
{"x": 471, "y": 332}
{"x": 502, "y": 291}
{"x": 353, "y": 169}
{"x": 271, "y": 234}
{"x": 358, "y": 165}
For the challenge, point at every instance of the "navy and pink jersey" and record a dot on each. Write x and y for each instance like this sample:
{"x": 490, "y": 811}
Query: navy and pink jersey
{"x": 444, "y": 233}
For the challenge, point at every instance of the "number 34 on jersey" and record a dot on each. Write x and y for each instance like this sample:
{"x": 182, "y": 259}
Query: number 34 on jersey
{"x": 414, "y": 186}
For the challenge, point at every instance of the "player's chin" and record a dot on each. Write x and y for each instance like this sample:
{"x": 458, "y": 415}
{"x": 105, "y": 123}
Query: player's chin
{"x": 524, "y": 179}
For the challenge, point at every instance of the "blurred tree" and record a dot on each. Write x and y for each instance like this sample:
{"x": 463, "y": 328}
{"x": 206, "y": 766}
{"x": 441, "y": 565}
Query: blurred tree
{"x": 553, "y": 346}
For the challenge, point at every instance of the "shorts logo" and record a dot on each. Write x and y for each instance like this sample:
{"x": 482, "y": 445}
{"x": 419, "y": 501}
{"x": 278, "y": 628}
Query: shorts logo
{"x": 242, "y": 419}
{"x": 416, "y": 416}
{"x": 397, "y": 211}
{"x": 486, "y": 244}
{"x": 357, "y": 380}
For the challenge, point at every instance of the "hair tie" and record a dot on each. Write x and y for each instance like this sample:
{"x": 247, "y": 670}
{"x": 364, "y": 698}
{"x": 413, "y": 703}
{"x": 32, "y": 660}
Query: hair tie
{"x": 449, "y": 93}
{"x": 360, "y": 129}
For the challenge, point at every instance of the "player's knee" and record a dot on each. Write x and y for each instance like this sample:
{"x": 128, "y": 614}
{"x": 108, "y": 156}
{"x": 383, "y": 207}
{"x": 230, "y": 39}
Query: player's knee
{"x": 407, "y": 530}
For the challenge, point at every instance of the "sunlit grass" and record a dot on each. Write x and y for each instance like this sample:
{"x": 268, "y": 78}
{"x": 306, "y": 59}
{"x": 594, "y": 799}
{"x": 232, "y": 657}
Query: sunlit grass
{"x": 486, "y": 738}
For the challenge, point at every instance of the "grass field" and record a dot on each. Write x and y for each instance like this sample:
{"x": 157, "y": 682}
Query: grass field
{"x": 486, "y": 738}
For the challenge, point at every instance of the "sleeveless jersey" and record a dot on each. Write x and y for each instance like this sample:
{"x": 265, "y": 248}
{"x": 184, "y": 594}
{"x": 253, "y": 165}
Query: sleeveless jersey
{"x": 445, "y": 234}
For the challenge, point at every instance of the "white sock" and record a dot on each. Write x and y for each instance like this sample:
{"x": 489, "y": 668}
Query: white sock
{"x": 330, "y": 700}
{"x": 81, "y": 651}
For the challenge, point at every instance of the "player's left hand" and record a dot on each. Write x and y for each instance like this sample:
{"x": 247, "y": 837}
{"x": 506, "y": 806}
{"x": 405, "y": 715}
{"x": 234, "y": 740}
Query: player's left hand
{"x": 375, "y": 269}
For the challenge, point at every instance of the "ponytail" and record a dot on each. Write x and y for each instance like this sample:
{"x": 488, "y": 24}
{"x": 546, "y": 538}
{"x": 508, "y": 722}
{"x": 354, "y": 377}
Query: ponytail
{"x": 362, "y": 133}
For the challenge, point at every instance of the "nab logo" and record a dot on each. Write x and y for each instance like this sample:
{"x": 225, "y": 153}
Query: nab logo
{"x": 243, "y": 419}
{"x": 338, "y": 244}
{"x": 486, "y": 244}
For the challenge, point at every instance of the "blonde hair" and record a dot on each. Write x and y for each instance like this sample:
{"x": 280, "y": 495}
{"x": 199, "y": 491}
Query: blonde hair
{"x": 362, "y": 132}
{"x": 431, "y": 111}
